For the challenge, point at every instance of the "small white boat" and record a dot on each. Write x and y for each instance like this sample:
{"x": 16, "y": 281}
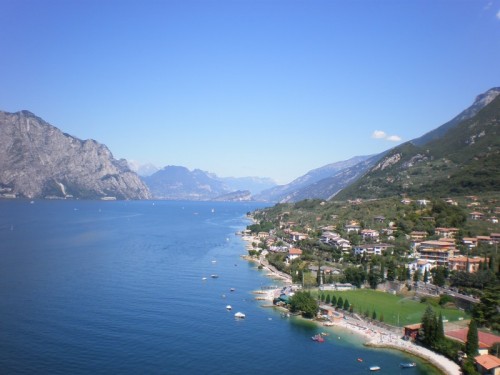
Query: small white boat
{"x": 228, "y": 307}
{"x": 203, "y": 278}
{"x": 239, "y": 315}
{"x": 375, "y": 368}
{"x": 408, "y": 365}
{"x": 232, "y": 289}
{"x": 214, "y": 276}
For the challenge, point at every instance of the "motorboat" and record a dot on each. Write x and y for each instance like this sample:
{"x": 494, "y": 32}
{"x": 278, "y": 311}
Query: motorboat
{"x": 214, "y": 276}
{"x": 375, "y": 368}
{"x": 239, "y": 315}
{"x": 318, "y": 338}
{"x": 408, "y": 365}
{"x": 228, "y": 307}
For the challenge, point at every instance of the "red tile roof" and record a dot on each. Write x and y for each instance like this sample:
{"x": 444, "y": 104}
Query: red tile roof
{"x": 486, "y": 340}
{"x": 488, "y": 361}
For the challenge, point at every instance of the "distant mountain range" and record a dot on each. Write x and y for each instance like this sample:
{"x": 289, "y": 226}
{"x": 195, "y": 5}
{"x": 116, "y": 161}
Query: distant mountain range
{"x": 179, "y": 183}
{"x": 37, "y": 160}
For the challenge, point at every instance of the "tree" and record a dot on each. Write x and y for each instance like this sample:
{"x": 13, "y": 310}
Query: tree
{"x": 346, "y": 305}
{"x": 340, "y": 302}
{"x": 305, "y": 303}
{"x": 334, "y": 301}
{"x": 439, "y": 328}
{"x": 486, "y": 311}
{"x": 354, "y": 275}
{"x": 328, "y": 299}
{"x": 373, "y": 278}
{"x": 391, "y": 271}
{"x": 427, "y": 333}
{"x": 417, "y": 275}
{"x": 472, "y": 344}
{"x": 426, "y": 276}
{"x": 374, "y": 315}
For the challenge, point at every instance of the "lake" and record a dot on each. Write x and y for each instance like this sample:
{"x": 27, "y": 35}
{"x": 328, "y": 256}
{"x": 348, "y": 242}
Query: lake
{"x": 91, "y": 287}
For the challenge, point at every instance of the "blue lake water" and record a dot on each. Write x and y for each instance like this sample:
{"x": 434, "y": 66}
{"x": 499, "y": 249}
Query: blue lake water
{"x": 117, "y": 288}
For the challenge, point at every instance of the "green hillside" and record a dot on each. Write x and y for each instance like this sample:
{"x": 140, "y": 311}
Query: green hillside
{"x": 463, "y": 161}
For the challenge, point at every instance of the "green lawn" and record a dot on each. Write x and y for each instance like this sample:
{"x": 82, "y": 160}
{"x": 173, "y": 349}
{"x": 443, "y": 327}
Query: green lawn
{"x": 396, "y": 310}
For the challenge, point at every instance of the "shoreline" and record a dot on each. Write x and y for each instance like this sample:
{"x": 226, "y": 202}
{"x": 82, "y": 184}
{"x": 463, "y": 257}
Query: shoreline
{"x": 373, "y": 337}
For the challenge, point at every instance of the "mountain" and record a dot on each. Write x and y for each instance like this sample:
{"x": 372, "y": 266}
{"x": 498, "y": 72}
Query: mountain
{"x": 235, "y": 196}
{"x": 480, "y": 102}
{"x": 142, "y": 170}
{"x": 253, "y": 184}
{"x": 37, "y": 160}
{"x": 458, "y": 158}
{"x": 320, "y": 183}
{"x": 179, "y": 183}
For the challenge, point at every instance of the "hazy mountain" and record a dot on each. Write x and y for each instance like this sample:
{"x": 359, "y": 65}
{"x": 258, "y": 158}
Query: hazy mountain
{"x": 253, "y": 184}
{"x": 142, "y": 170}
{"x": 319, "y": 183}
{"x": 456, "y": 159}
{"x": 37, "y": 160}
{"x": 235, "y": 196}
{"x": 179, "y": 183}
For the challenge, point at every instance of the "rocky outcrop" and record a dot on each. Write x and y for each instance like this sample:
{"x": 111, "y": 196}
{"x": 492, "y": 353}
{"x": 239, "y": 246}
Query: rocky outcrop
{"x": 37, "y": 160}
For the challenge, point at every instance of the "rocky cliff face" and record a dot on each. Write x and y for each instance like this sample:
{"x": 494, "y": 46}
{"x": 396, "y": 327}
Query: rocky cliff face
{"x": 37, "y": 160}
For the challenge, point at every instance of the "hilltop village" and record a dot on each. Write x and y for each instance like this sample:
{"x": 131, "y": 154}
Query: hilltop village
{"x": 441, "y": 253}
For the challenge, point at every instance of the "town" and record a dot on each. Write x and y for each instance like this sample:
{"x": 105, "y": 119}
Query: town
{"x": 438, "y": 252}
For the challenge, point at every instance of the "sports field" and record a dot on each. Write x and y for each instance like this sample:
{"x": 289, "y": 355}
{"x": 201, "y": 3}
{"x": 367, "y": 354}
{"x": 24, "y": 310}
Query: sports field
{"x": 396, "y": 310}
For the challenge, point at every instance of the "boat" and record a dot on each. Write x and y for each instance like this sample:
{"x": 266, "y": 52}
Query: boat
{"x": 214, "y": 276}
{"x": 408, "y": 365}
{"x": 228, "y": 307}
{"x": 239, "y": 315}
{"x": 375, "y": 368}
{"x": 203, "y": 278}
{"x": 232, "y": 289}
{"x": 360, "y": 359}
{"x": 318, "y": 338}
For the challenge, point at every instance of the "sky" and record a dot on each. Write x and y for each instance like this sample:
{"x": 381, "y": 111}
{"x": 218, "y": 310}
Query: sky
{"x": 268, "y": 88}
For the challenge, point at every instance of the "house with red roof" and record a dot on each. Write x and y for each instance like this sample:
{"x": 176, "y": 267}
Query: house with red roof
{"x": 487, "y": 364}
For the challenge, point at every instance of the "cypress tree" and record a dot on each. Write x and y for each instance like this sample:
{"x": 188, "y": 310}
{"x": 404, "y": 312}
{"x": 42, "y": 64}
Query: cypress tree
{"x": 334, "y": 301}
{"x": 328, "y": 299}
{"x": 472, "y": 344}
{"x": 340, "y": 303}
{"x": 428, "y": 327}
{"x": 346, "y": 305}
{"x": 440, "y": 328}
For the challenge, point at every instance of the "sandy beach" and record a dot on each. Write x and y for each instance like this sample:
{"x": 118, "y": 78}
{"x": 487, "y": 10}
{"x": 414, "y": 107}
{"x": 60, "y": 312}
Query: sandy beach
{"x": 374, "y": 336}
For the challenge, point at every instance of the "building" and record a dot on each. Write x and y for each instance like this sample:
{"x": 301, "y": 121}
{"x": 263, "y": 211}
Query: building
{"x": 487, "y": 364}
{"x": 418, "y": 235}
{"x": 463, "y": 263}
{"x": 337, "y": 286}
{"x": 446, "y": 232}
{"x": 440, "y": 251}
{"x": 470, "y": 242}
{"x": 353, "y": 227}
{"x": 411, "y": 330}
{"x": 370, "y": 235}
{"x": 476, "y": 215}
{"x": 371, "y": 249}
{"x": 294, "y": 253}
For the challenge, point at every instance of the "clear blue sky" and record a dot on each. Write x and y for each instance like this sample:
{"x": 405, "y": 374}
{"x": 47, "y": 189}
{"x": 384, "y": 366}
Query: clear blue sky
{"x": 270, "y": 88}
